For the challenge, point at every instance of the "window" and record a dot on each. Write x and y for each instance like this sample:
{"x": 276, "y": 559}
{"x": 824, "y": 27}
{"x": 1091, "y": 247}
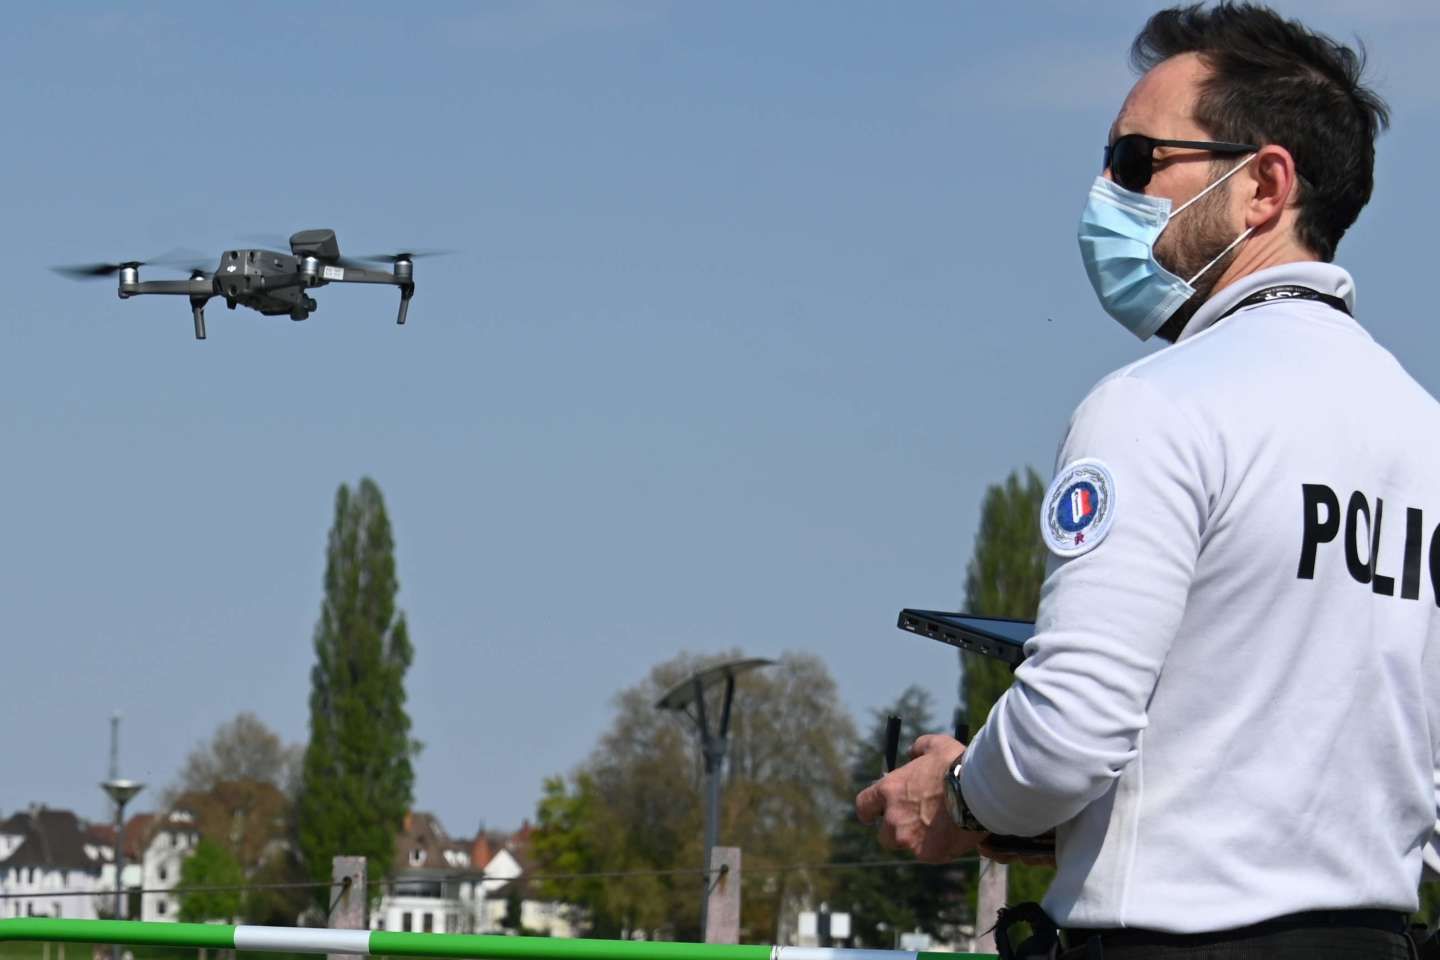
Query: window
{"x": 164, "y": 873}
{"x": 160, "y": 907}
{"x": 417, "y": 857}
{"x": 429, "y": 922}
{"x": 405, "y": 922}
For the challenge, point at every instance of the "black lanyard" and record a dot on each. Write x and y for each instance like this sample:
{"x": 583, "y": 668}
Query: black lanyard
{"x": 1287, "y": 291}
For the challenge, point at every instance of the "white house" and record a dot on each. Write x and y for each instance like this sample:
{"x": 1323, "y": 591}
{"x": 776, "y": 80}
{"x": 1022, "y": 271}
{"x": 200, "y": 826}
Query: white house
{"x": 45, "y": 867}
{"x": 432, "y": 884}
{"x": 442, "y": 885}
{"x": 169, "y": 840}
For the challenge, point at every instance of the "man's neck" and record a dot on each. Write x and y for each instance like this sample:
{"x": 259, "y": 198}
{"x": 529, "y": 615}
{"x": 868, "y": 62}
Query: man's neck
{"x": 1261, "y": 252}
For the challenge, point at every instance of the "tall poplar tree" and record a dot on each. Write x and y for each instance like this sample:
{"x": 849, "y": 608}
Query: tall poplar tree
{"x": 1003, "y": 580}
{"x": 356, "y": 779}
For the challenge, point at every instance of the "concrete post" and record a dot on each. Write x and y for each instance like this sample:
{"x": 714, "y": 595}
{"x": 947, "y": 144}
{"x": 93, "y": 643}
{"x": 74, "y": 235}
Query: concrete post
{"x": 989, "y": 899}
{"x": 349, "y": 894}
{"x": 722, "y": 907}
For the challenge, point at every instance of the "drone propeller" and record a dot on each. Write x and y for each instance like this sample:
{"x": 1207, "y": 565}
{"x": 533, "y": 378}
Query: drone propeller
{"x": 268, "y": 241}
{"x": 403, "y": 255}
{"x": 96, "y": 271}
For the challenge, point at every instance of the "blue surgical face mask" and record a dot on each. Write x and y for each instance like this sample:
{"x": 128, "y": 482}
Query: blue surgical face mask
{"x": 1118, "y": 230}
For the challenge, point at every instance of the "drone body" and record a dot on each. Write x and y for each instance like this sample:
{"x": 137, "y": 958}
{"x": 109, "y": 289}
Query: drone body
{"x": 264, "y": 280}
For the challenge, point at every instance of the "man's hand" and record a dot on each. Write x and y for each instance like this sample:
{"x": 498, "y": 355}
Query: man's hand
{"x": 908, "y": 804}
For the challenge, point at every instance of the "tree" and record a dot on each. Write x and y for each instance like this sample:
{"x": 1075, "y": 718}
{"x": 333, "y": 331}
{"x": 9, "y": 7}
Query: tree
{"x": 886, "y": 901}
{"x": 239, "y": 787}
{"x": 1003, "y": 579}
{"x": 568, "y": 840}
{"x": 241, "y": 749}
{"x": 637, "y": 803}
{"x": 211, "y": 865}
{"x": 356, "y": 781}
{"x": 235, "y": 786}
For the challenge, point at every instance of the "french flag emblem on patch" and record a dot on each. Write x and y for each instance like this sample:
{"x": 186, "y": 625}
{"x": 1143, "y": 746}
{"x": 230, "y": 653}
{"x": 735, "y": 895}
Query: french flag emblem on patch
{"x": 1079, "y": 507}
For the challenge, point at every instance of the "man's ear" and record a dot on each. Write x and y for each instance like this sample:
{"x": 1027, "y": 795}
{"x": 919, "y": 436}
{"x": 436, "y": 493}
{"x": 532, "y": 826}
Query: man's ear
{"x": 1276, "y": 186}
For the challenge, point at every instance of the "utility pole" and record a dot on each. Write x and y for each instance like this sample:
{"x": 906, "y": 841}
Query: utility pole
{"x": 114, "y": 754}
{"x": 121, "y": 792}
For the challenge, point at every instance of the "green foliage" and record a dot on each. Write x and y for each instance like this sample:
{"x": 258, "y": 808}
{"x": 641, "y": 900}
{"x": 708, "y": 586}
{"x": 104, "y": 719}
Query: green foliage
{"x": 211, "y": 865}
{"x": 1429, "y": 902}
{"x": 356, "y": 779}
{"x": 1003, "y": 579}
{"x": 637, "y": 803}
{"x": 568, "y": 839}
{"x": 886, "y": 901}
{"x": 273, "y": 906}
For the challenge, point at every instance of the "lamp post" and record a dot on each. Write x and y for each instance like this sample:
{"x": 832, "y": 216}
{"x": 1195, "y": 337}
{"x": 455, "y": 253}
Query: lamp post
{"x": 121, "y": 792}
{"x": 691, "y": 692}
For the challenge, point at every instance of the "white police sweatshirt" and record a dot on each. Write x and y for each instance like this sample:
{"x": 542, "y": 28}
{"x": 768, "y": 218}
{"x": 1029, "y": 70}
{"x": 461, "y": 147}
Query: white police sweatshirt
{"x": 1231, "y": 706}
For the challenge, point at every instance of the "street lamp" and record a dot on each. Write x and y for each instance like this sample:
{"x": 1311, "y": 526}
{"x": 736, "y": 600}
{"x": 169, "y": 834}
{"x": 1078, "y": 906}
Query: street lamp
{"x": 691, "y": 692}
{"x": 121, "y": 792}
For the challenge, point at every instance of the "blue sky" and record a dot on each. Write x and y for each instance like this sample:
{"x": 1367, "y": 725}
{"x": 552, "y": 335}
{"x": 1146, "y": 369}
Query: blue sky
{"x": 752, "y": 302}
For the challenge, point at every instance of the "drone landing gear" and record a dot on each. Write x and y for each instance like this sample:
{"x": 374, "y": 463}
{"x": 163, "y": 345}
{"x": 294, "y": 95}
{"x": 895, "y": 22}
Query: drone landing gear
{"x": 197, "y": 310}
{"x": 406, "y": 292}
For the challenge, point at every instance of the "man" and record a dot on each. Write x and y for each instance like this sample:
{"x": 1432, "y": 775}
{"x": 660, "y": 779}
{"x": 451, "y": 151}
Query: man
{"x": 1231, "y": 706}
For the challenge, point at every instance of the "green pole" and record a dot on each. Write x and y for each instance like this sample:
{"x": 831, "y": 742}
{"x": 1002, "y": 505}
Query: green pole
{"x": 131, "y": 932}
{"x": 386, "y": 943}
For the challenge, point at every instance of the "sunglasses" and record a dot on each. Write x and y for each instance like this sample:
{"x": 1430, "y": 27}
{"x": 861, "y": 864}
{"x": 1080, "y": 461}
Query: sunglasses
{"x": 1131, "y": 158}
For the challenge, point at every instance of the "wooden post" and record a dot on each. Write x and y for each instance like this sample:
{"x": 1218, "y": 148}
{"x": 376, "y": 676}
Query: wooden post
{"x": 348, "y": 894}
{"x": 989, "y": 899}
{"x": 722, "y": 907}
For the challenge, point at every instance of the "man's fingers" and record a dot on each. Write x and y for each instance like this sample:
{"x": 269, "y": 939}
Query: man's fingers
{"x": 927, "y": 742}
{"x": 919, "y": 747}
{"x": 870, "y": 804}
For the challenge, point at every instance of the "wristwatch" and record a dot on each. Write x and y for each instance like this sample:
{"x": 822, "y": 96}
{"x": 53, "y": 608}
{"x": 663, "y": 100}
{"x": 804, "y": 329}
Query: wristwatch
{"x": 955, "y": 800}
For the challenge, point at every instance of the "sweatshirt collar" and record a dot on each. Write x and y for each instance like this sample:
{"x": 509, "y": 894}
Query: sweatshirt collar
{"x": 1321, "y": 277}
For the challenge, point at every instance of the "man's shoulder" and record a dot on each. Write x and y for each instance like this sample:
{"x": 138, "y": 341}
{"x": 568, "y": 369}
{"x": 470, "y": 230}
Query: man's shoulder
{"x": 1220, "y": 360}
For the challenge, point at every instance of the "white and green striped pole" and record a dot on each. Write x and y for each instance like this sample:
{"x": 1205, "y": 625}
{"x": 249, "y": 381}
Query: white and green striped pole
{"x": 384, "y": 943}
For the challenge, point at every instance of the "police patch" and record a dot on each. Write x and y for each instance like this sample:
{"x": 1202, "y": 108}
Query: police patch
{"x": 1079, "y": 507}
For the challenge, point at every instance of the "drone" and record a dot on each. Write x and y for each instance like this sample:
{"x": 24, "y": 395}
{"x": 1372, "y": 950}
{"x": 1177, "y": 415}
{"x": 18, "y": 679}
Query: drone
{"x": 273, "y": 283}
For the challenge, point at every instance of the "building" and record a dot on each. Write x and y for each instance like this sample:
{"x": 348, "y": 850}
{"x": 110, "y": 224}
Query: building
{"x": 49, "y": 867}
{"x": 432, "y": 885}
{"x": 444, "y": 885}
{"x": 167, "y": 841}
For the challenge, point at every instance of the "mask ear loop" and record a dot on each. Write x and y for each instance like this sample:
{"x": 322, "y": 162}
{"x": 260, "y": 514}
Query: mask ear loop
{"x": 1233, "y": 243}
{"x": 1228, "y": 174}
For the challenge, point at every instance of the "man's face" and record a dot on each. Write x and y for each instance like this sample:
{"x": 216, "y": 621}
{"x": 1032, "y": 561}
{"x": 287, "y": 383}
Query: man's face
{"x": 1162, "y": 105}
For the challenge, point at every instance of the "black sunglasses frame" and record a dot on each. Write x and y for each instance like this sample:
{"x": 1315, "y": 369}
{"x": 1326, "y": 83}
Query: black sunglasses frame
{"x": 1141, "y": 179}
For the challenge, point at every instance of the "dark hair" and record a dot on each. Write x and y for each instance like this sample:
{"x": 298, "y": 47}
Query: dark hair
{"x": 1275, "y": 81}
